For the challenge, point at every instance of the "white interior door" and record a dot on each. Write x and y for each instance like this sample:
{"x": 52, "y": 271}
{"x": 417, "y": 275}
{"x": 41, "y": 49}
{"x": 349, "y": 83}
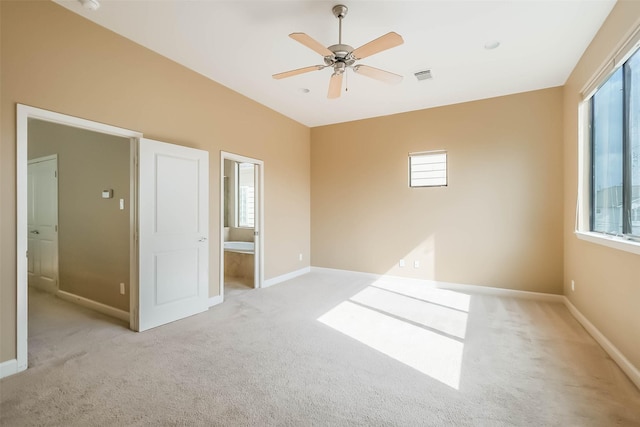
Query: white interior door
{"x": 42, "y": 222}
{"x": 173, "y": 232}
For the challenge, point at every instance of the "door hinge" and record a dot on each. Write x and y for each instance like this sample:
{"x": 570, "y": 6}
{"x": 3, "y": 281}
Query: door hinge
{"x": 56, "y": 228}
{"x": 55, "y": 174}
{"x": 27, "y": 254}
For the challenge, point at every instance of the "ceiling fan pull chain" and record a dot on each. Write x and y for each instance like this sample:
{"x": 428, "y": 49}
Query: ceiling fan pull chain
{"x": 346, "y": 84}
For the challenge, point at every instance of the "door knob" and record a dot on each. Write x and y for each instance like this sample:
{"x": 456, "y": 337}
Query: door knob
{"x": 35, "y": 232}
{"x": 202, "y": 239}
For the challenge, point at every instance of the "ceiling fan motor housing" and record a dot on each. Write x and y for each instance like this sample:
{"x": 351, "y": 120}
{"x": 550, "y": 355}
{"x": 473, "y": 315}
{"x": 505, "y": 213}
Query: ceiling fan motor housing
{"x": 342, "y": 54}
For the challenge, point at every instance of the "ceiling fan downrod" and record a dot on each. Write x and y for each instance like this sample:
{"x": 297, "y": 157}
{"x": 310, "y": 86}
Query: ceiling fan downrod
{"x": 340, "y": 11}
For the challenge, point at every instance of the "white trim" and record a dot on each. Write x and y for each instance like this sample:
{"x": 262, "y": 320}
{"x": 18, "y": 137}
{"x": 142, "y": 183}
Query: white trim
{"x": 627, "y": 367}
{"x": 471, "y": 289}
{"x": 9, "y": 367}
{"x": 285, "y": 277}
{"x": 259, "y": 223}
{"x": 23, "y": 113}
{"x": 21, "y": 236}
{"x": 134, "y": 250}
{"x": 630, "y": 42}
{"x": 614, "y": 242}
{"x": 76, "y": 122}
{"x": 218, "y": 299}
{"x": 94, "y": 305}
{"x": 584, "y": 162}
{"x": 44, "y": 159}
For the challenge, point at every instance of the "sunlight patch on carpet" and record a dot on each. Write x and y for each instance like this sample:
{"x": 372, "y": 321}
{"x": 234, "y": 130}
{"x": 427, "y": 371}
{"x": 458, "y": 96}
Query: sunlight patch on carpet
{"x": 426, "y": 336}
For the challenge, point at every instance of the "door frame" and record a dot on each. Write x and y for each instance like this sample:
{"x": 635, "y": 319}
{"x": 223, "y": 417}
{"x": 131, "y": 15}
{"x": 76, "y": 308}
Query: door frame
{"x": 259, "y": 226}
{"x": 23, "y": 114}
{"x": 57, "y": 248}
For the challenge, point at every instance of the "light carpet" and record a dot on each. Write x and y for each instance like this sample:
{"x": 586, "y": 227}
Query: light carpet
{"x": 321, "y": 349}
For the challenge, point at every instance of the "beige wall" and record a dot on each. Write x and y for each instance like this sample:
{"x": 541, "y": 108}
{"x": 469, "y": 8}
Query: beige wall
{"x": 56, "y": 60}
{"x": 607, "y": 280}
{"x": 498, "y": 223}
{"x": 93, "y": 233}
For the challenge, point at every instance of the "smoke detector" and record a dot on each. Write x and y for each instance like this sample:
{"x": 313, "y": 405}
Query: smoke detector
{"x": 90, "y": 4}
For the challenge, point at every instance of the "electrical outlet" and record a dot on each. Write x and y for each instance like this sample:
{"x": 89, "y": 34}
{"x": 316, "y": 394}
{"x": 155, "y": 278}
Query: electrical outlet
{"x": 573, "y": 285}
{"x": 300, "y": 257}
{"x": 121, "y": 288}
{"x": 416, "y": 264}
{"x": 401, "y": 263}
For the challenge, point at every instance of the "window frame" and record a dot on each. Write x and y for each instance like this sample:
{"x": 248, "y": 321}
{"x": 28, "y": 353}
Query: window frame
{"x": 238, "y": 196}
{"x": 584, "y": 227}
{"x": 427, "y": 153}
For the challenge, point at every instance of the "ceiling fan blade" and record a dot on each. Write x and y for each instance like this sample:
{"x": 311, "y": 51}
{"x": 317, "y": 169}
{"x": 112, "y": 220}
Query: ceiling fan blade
{"x": 298, "y": 71}
{"x": 335, "y": 86}
{"x": 311, "y": 43}
{"x": 378, "y": 74}
{"x": 385, "y": 42}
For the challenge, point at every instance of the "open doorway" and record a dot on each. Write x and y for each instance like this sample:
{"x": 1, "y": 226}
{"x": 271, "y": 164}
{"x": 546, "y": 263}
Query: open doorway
{"x": 166, "y": 228}
{"x": 88, "y": 233}
{"x": 79, "y": 216}
{"x": 241, "y": 224}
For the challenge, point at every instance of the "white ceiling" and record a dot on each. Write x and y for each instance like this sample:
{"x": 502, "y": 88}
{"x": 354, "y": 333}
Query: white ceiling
{"x": 240, "y": 44}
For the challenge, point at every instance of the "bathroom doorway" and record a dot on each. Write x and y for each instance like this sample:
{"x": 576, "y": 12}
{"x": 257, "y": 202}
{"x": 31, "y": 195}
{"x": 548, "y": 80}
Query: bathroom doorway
{"x": 241, "y": 224}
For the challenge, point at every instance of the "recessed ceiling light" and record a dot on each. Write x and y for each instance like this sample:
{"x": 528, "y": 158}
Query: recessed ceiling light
{"x": 491, "y": 44}
{"x": 90, "y": 4}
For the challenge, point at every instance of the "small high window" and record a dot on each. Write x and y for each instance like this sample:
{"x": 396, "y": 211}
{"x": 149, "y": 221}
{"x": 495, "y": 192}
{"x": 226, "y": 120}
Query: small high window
{"x": 428, "y": 169}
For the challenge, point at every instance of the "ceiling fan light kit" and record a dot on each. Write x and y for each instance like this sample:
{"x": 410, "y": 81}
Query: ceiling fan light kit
{"x": 341, "y": 56}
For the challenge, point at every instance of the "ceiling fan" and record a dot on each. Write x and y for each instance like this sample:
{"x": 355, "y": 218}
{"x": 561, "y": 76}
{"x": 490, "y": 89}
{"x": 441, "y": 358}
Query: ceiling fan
{"x": 342, "y": 56}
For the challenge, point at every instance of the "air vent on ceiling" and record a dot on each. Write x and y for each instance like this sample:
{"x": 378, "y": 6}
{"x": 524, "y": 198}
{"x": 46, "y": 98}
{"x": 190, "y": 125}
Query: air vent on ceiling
{"x": 423, "y": 75}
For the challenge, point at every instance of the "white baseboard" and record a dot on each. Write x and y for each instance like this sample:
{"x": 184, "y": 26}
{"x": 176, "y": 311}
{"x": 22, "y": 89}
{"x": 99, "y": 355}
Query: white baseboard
{"x": 472, "y": 289}
{"x": 285, "y": 277}
{"x": 9, "y": 367}
{"x": 627, "y": 367}
{"x": 50, "y": 289}
{"x": 218, "y": 299}
{"x": 94, "y": 305}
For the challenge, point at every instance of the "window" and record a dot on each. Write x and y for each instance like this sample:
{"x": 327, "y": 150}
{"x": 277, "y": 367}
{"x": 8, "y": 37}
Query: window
{"x": 428, "y": 169}
{"x": 246, "y": 195}
{"x": 614, "y": 125}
